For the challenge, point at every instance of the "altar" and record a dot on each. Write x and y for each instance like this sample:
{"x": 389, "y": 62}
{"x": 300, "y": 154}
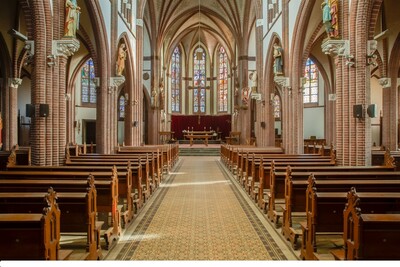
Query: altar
{"x": 191, "y": 136}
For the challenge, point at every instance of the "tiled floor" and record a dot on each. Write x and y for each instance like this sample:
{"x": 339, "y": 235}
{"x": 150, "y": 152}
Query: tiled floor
{"x": 199, "y": 213}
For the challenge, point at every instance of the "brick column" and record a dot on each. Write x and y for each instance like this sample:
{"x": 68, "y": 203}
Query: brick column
{"x": 38, "y": 95}
{"x": 62, "y": 49}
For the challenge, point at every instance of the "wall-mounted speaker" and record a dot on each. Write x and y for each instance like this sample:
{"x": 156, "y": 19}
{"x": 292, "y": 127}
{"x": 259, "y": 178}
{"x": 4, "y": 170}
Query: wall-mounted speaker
{"x": 262, "y": 124}
{"x": 358, "y": 111}
{"x": 44, "y": 110}
{"x": 372, "y": 111}
{"x": 30, "y": 111}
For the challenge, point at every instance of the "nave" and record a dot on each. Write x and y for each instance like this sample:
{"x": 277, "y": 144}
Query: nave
{"x": 200, "y": 213}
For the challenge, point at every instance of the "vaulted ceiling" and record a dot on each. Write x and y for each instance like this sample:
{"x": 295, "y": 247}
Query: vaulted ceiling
{"x": 212, "y": 22}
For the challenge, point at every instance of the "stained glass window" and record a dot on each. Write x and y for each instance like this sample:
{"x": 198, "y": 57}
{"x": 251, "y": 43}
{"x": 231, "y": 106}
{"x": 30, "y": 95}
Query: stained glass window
{"x": 310, "y": 91}
{"x": 88, "y": 86}
{"x": 121, "y": 105}
{"x": 277, "y": 107}
{"x": 199, "y": 81}
{"x": 223, "y": 81}
{"x": 176, "y": 80}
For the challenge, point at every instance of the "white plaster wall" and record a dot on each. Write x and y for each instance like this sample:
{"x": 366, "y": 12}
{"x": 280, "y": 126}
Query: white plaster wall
{"x": 314, "y": 122}
{"x": 293, "y": 11}
{"x": 106, "y": 11}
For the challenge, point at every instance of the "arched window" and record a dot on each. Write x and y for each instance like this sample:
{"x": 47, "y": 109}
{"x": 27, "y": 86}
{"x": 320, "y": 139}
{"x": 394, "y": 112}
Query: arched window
{"x": 199, "y": 81}
{"x": 121, "y": 108}
{"x": 310, "y": 91}
{"x": 176, "y": 80}
{"x": 223, "y": 81}
{"x": 277, "y": 107}
{"x": 88, "y": 89}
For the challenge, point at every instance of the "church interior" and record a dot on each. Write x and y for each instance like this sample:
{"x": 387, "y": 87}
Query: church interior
{"x": 200, "y": 130}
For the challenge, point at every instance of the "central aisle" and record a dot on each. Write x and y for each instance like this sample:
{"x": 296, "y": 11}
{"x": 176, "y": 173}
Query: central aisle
{"x": 199, "y": 214}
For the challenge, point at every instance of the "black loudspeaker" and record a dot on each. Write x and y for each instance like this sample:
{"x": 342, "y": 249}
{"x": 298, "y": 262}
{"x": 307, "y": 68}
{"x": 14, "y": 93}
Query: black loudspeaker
{"x": 372, "y": 111}
{"x": 358, "y": 111}
{"x": 30, "y": 111}
{"x": 262, "y": 124}
{"x": 44, "y": 110}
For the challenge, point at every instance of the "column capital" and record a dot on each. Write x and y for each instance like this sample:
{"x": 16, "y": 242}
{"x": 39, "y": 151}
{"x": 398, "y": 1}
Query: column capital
{"x": 14, "y": 82}
{"x": 282, "y": 81}
{"x": 116, "y": 81}
{"x": 385, "y": 82}
{"x": 336, "y": 47}
{"x": 65, "y": 47}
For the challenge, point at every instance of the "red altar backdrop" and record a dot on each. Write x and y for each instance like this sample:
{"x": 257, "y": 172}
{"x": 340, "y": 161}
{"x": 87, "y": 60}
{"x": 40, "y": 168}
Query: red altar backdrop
{"x": 218, "y": 123}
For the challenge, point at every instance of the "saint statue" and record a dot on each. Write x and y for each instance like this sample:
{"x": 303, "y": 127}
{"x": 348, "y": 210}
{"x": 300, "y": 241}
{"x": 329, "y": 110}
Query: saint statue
{"x": 121, "y": 59}
{"x": 246, "y": 93}
{"x": 327, "y": 18}
{"x": 278, "y": 61}
{"x": 154, "y": 98}
{"x": 72, "y": 13}
{"x": 162, "y": 94}
{"x": 253, "y": 78}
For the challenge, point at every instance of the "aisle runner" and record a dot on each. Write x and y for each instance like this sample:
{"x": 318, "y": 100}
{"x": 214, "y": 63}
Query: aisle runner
{"x": 200, "y": 215}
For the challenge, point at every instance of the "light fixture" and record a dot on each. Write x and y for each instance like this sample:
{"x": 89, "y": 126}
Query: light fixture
{"x": 199, "y": 54}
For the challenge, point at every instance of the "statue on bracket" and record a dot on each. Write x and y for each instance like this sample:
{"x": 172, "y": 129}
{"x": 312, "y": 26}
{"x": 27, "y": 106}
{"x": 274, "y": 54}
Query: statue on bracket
{"x": 72, "y": 13}
{"x": 121, "y": 60}
{"x": 246, "y": 94}
{"x": 330, "y": 10}
{"x": 278, "y": 60}
{"x": 162, "y": 94}
{"x": 253, "y": 78}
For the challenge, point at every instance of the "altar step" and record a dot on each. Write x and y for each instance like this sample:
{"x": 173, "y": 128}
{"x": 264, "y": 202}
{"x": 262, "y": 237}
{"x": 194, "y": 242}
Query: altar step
{"x": 199, "y": 151}
{"x": 186, "y": 142}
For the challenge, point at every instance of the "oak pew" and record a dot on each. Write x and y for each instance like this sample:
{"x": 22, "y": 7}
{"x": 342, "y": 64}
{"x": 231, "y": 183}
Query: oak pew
{"x": 146, "y": 183}
{"x": 267, "y": 175}
{"x": 150, "y": 163}
{"x": 368, "y": 236}
{"x": 277, "y": 177}
{"x": 324, "y": 216}
{"x": 295, "y": 200}
{"x": 249, "y": 163}
{"x": 78, "y": 211}
{"x": 169, "y": 153}
{"x": 106, "y": 186}
{"x": 251, "y": 177}
{"x": 33, "y": 234}
{"x": 128, "y": 195}
{"x": 236, "y": 150}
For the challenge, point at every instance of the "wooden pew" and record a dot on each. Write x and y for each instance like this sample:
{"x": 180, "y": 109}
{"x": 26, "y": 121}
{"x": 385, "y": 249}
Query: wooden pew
{"x": 146, "y": 183}
{"x": 170, "y": 153}
{"x": 128, "y": 195}
{"x": 234, "y": 151}
{"x": 277, "y": 187}
{"x": 77, "y": 203}
{"x": 106, "y": 187}
{"x": 324, "y": 215}
{"x": 32, "y": 235}
{"x": 368, "y": 236}
{"x": 295, "y": 200}
{"x": 252, "y": 178}
{"x": 151, "y": 163}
